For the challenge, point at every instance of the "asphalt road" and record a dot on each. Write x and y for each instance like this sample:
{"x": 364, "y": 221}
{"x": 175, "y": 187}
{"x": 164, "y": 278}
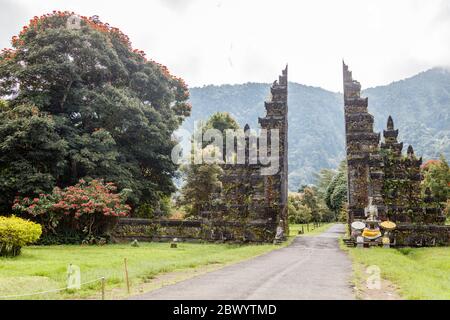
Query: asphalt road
{"x": 310, "y": 268}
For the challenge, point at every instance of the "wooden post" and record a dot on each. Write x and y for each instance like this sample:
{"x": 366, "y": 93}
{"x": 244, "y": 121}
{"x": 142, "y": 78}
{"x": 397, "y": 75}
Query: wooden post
{"x": 103, "y": 288}
{"x": 126, "y": 275}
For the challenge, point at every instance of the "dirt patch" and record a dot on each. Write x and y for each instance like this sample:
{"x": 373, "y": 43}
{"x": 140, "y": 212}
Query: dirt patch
{"x": 365, "y": 289}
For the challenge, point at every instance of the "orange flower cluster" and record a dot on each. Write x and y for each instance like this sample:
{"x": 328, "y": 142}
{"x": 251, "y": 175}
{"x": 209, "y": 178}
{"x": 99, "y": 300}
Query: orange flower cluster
{"x": 165, "y": 71}
{"x": 49, "y": 20}
{"x": 58, "y": 18}
{"x": 140, "y": 53}
{"x": 7, "y": 54}
{"x": 94, "y": 197}
{"x": 429, "y": 163}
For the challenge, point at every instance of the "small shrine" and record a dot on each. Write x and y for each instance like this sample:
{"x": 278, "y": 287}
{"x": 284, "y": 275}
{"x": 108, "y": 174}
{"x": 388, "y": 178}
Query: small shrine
{"x": 372, "y": 231}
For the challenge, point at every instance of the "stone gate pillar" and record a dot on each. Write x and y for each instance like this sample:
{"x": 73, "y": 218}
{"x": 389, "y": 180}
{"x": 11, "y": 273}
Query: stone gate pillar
{"x": 365, "y": 165}
{"x": 276, "y": 186}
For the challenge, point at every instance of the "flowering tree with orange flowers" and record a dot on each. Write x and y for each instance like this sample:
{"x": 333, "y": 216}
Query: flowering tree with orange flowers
{"x": 87, "y": 208}
{"x": 102, "y": 110}
{"x": 436, "y": 175}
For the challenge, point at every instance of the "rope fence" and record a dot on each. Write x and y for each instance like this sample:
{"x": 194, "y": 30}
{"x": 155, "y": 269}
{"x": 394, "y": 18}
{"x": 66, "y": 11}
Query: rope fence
{"x": 102, "y": 280}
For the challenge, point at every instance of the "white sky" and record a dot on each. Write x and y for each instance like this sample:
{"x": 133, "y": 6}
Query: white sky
{"x": 237, "y": 41}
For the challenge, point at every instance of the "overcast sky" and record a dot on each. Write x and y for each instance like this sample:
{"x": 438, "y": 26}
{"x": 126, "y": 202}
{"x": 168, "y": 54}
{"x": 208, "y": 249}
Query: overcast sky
{"x": 237, "y": 41}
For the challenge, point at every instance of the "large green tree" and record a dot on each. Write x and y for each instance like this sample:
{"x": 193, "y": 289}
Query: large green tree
{"x": 104, "y": 110}
{"x": 336, "y": 193}
{"x": 297, "y": 210}
{"x": 202, "y": 181}
{"x": 437, "y": 179}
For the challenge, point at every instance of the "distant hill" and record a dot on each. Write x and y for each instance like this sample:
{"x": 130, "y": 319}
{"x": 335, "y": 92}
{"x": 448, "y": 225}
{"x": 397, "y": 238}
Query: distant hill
{"x": 420, "y": 106}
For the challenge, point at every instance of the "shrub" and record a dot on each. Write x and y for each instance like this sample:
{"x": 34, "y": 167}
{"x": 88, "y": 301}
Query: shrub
{"x": 16, "y": 233}
{"x": 87, "y": 209}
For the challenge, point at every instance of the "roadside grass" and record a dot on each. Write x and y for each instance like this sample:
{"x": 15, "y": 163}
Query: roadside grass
{"x": 295, "y": 228}
{"x": 418, "y": 273}
{"x": 42, "y": 268}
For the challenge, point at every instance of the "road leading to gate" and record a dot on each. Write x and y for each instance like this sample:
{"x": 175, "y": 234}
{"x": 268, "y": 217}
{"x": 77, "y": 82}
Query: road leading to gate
{"x": 310, "y": 268}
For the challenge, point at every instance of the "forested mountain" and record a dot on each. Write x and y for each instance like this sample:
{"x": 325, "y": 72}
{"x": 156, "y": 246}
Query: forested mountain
{"x": 420, "y": 106}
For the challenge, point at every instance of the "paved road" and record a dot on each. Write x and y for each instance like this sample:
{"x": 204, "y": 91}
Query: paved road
{"x": 310, "y": 268}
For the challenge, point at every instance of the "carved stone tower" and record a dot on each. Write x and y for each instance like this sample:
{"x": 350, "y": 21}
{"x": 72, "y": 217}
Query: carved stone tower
{"x": 365, "y": 165}
{"x": 276, "y": 186}
{"x": 252, "y": 199}
{"x": 401, "y": 190}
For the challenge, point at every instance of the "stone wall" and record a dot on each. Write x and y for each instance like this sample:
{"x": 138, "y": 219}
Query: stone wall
{"x": 129, "y": 229}
{"x": 422, "y": 235}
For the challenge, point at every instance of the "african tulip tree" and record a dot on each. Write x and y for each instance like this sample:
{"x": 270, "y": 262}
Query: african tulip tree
{"x": 107, "y": 110}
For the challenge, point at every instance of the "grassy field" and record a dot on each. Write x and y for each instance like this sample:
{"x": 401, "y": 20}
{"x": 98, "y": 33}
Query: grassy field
{"x": 294, "y": 229}
{"x": 42, "y": 268}
{"x": 419, "y": 273}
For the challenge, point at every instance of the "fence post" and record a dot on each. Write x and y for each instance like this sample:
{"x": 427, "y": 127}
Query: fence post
{"x": 103, "y": 288}
{"x": 126, "y": 275}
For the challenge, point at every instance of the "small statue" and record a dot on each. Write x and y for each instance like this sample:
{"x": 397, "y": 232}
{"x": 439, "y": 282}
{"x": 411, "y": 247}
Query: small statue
{"x": 372, "y": 231}
{"x": 279, "y": 236}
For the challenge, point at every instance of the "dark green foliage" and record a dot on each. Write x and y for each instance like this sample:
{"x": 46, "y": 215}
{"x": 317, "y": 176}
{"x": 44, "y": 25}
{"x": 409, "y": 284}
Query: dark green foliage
{"x": 323, "y": 180}
{"x": 221, "y": 121}
{"x": 298, "y": 212}
{"x": 33, "y": 155}
{"x": 336, "y": 192}
{"x": 437, "y": 179}
{"x": 103, "y": 111}
{"x": 149, "y": 211}
{"x": 310, "y": 201}
{"x": 202, "y": 181}
{"x": 308, "y": 206}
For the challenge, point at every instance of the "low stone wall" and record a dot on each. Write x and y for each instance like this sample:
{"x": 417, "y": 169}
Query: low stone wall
{"x": 128, "y": 229}
{"x": 420, "y": 235}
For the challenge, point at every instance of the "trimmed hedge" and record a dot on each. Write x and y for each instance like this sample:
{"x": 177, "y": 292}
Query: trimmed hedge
{"x": 16, "y": 233}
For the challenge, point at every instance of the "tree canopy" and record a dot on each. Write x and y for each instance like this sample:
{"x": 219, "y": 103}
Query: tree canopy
{"x": 437, "y": 179}
{"x": 82, "y": 103}
{"x": 203, "y": 180}
{"x": 336, "y": 193}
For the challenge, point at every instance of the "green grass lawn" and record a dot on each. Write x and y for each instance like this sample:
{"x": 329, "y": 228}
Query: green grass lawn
{"x": 294, "y": 229}
{"x": 42, "y": 268}
{"x": 419, "y": 273}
